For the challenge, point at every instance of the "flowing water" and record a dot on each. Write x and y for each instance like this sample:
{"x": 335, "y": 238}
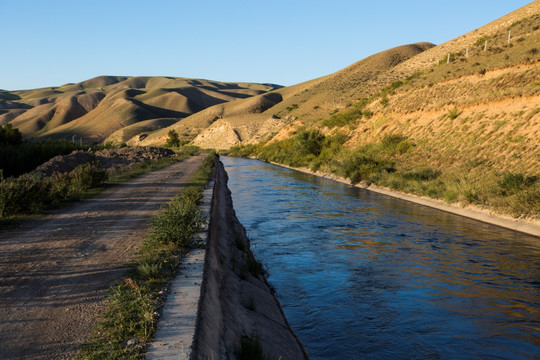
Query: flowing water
{"x": 363, "y": 275}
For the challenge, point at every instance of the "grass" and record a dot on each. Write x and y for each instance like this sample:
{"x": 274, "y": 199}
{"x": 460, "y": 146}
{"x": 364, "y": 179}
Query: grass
{"x": 134, "y": 302}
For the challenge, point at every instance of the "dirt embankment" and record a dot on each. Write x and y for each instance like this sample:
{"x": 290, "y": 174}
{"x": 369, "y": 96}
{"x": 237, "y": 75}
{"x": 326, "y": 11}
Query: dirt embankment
{"x": 55, "y": 270}
{"x": 236, "y": 300}
{"x": 108, "y": 158}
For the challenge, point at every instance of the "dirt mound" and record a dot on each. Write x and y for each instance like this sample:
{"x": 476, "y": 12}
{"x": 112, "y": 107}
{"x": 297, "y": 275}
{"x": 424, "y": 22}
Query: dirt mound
{"x": 108, "y": 158}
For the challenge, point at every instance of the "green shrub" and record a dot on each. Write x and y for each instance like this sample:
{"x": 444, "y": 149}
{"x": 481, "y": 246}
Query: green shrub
{"x": 343, "y": 118}
{"x": 24, "y": 157}
{"x": 395, "y": 144}
{"x": 29, "y": 194}
{"x": 512, "y": 183}
{"x": 181, "y": 210}
{"x": 482, "y": 40}
{"x": 422, "y": 175}
{"x": 86, "y": 176}
{"x": 172, "y": 140}
{"x": 10, "y": 135}
{"x": 453, "y": 113}
{"x": 360, "y": 166}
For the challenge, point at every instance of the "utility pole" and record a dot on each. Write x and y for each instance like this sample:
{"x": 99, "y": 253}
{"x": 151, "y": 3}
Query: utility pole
{"x": 448, "y": 59}
{"x": 485, "y": 46}
{"x": 509, "y": 36}
{"x": 467, "y": 52}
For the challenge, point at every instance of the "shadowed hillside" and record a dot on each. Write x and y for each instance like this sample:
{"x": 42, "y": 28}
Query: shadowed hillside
{"x": 96, "y": 108}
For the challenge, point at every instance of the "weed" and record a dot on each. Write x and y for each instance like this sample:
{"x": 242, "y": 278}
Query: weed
{"x": 453, "y": 113}
{"x": 482, "y": 40}
{"x": 512, "y": 183}
{"x": 422, "y": 175}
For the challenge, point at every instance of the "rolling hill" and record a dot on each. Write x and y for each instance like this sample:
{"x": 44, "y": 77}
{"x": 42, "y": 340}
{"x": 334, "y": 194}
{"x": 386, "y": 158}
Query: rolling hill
{"x": 96, "y": 108}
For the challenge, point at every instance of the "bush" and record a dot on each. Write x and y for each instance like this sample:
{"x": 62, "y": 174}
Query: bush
{"x": 29, "y": 194}
{"x": 165, "y": 226}
{"x": 360, "y": 166}
{"x": 173, "y": 140}
{"x": 395, "y": 144}
{"x": 343, "y": 118}
{"x": 10, "y": 135}
{"x": 21, "y": 158}
{"x": 453, "y": 113}
{"x": 422, "y": 175}
{"x": 512, "y": 183}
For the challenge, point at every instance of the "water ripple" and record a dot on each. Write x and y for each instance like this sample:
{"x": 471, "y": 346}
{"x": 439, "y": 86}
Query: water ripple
{"x": 361, "y": 275}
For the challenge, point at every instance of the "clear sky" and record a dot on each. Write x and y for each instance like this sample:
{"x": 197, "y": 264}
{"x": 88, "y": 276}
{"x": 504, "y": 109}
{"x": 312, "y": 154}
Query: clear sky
{"x": 53, "y": 42}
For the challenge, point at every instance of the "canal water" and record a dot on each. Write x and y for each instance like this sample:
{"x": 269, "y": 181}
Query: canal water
{"x": 362, "y": 275}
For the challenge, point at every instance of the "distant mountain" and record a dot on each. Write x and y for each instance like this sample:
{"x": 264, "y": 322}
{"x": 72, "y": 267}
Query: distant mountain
{"x": 96, "y": 108}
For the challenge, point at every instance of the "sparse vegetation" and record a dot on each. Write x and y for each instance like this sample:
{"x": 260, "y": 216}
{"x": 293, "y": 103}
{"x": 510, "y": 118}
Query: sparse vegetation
{"x": 133, "y": 302}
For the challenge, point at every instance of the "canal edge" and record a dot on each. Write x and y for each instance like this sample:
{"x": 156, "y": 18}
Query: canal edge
{"x": 178, "y": 321}
{"x": 469, "y": 212}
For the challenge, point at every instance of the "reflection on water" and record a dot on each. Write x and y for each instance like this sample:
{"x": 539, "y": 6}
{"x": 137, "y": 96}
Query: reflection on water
{"x": 362, "y": 275}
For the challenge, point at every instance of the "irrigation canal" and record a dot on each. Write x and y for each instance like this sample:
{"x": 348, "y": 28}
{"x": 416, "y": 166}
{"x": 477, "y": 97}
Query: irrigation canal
{"x": 362, "y": 275}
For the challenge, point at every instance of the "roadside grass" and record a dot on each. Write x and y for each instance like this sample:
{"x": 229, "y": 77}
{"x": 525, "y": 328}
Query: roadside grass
{"x": 128, "y": 324}
{"x": 399, "y": 163}
{"x": 30, "y": 195}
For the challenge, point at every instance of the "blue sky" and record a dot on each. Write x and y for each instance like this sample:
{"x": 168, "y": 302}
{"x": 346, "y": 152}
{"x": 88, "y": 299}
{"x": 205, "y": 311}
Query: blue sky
{"x": 50, "y": 43}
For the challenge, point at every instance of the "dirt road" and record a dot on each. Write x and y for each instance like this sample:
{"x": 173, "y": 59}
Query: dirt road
{"x": 54, "y": 271}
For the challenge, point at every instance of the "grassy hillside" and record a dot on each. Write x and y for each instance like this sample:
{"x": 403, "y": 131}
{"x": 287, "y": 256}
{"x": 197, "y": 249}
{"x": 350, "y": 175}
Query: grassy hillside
{"x": 458, "y": 122}
{"x": 96, "y": 108}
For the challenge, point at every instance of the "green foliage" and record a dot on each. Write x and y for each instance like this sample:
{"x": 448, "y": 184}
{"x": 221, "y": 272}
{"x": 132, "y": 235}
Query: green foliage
{"x": 292, "y": 107}
{"x": 10, "y": 135}
{"x": 361, "y": 165}
{"x": 309, "y": 142}
{"x": 512, "y": 183}
{"x": 24, "y": 157}
{"x": 367, "y": 113}
{"x": 395, "y": 144}
{"x": 173, "y": 139}
{"x": 453, "y": 113}
{"x": 182, "y": 210}
{"x": 482, "y": 40}
{"x": 87, "y": 176}
{"x": 243, "y": 150}
{"x": 422, "y": 175}
{"x": 343, "y": 118}
{"x": 29, "y": 194}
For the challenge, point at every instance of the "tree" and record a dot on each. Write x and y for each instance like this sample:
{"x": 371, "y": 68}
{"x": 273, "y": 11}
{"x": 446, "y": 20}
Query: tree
{"x": 10, "y": 135}
{"x": 173, "y": 140}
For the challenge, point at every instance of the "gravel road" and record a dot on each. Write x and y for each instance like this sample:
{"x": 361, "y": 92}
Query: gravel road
{"x": 54, "y": 271}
